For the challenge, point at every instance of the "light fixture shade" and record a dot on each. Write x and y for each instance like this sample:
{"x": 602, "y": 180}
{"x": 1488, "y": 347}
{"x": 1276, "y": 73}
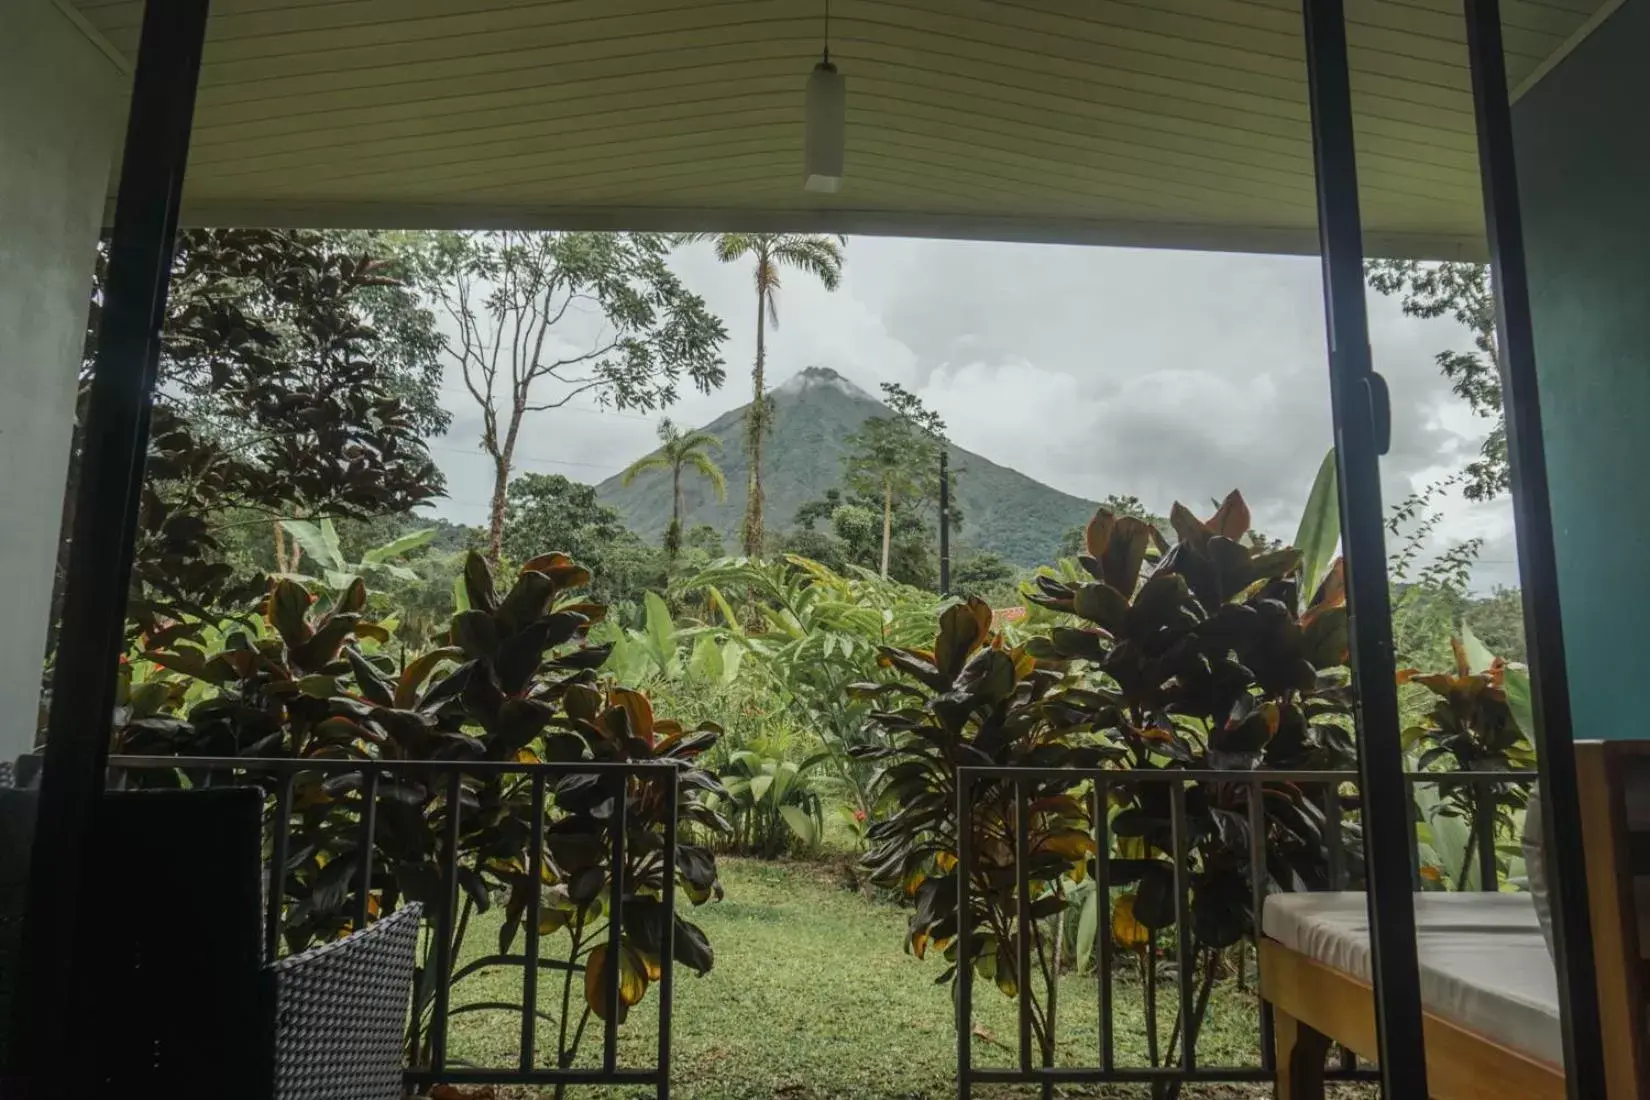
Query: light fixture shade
{"x": 823, "y": 144}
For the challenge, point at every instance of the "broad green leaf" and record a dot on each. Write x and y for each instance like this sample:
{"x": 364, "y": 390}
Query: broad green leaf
{"x": 782, "y": 779}
{"x": 399, "y": 547}
{"x": 319, "y": 541}
{"x": 706, "y": 661}
{"x": 760, "y": 784}
{"x": 661, "y": 634}
{"x": 732, "y": 655}
{"x": 801, "y": 824}
{"x": 1479, "y": 658}
{"x": 729, "y": 619}
{"x": 1516, "y": 681}
{"x": 1320, "y": 528}
{"x": 1088, "y": 923}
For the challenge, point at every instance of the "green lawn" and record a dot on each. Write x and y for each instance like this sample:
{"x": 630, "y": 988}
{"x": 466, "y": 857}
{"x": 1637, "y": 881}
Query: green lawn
{"x": 812, "y": 997}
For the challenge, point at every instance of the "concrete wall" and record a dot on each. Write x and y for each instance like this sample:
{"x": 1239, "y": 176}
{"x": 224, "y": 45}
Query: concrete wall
{"x": 1584, "y": 171}
{"x": 59, "y": 116}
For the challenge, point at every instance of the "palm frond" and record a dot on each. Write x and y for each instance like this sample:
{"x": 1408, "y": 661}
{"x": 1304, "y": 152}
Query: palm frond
{"x": 710, "y": 471}
{"x": 658, "y": 460}
{"x": 731, "y": 246}
{"x": 819, "y": 256}
{"x": 699, "y": 441}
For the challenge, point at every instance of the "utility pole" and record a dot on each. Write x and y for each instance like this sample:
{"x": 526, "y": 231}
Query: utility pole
{"x": 945, "y": 518}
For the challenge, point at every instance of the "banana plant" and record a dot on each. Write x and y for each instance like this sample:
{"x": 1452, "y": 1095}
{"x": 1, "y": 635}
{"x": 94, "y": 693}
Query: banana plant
{"x": 320, "y": 542}
{"x": 655, "y": 653}
{"x": 770, "y": 795}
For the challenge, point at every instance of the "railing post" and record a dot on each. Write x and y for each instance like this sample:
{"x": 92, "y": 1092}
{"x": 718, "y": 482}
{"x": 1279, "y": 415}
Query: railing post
{"x": 667, "y": 957}
{"x": 280, "y": 838}
{"x": 363, "y": 846}
{"x": 535, "y": 901}
{"x": 1022, "y": 921}
{"x": 615, "y": 919}
{"x": 1360, "y": 414}
{"x": 1489, "y": 873}
{"x": 1258, "y": 877}
{"x": 1102, "y": 930}
{"x": 1186, "y": 961}
{"x": 1554, "y": 734}
{"x": 445, "y": 924}
{"x": 964, "y": 1008}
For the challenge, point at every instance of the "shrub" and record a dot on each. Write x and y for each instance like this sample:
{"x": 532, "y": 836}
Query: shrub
{"x": 517, "y": 682}
{"x": 1205, "y": 662}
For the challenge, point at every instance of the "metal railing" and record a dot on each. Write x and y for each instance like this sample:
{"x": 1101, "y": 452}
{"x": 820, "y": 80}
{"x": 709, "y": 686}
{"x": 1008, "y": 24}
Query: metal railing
{"x": 428, "y": 1062}
{"x": 1030, "y": 1068}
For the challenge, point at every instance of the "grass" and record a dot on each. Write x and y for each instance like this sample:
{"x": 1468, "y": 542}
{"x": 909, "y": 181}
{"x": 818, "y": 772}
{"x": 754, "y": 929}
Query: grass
{"x": 812, "y": 998}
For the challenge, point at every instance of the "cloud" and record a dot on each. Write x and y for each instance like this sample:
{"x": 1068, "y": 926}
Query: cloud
{"x": 1168, "y": 375}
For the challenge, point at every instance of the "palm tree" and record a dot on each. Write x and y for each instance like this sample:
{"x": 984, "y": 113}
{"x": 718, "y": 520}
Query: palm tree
{"x": 676, "y": 450}
{"x": 819, "y": 256}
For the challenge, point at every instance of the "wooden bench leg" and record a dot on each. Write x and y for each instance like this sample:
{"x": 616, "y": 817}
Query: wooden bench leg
{"x": 1300, "y": 1055}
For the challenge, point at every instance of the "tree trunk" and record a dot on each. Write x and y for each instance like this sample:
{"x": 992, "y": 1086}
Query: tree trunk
{"x": 887, "y": 523}
{"x": 673, "y": 536}
{"x": 280, "y": 547}
{"x": 756, "y": 425}
{"x": 495, "y": 512}
{"x": 503, "y": 460}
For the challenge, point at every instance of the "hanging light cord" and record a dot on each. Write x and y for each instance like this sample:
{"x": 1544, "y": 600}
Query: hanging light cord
{"x": 827, "y": 32}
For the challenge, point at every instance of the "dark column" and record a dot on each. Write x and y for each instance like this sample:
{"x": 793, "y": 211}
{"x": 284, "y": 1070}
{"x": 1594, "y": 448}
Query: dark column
{"x": 50, "y": 1051}
{"x": 945, "y": 518}
{"x": 1360, "y": 412}
{"x": 1538, "y": 565}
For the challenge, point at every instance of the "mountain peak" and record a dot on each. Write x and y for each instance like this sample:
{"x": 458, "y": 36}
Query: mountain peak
{"x": 820, "y": 377}
{"x": 814, "y": 413}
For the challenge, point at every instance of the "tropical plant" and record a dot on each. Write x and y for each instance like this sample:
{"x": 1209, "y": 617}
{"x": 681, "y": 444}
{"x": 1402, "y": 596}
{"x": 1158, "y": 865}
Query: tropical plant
{"x": 660, "y": 652}
{"x": 511, "y": 297}
{"x": 770, "y": 799}
{"x": 518, "y": 683}
{"x": 551, "y": 510}
{"x": 277, "y": 398}
{"x": 815, "y": 255}
{"x": 676, "y": 450}
{"x": 1205, "y": 663}
{"x": 1471, "y": 727}
{"x": 320, "y": 542}
{"x": 816, "y": 632}
{"x": 976, "y": 701}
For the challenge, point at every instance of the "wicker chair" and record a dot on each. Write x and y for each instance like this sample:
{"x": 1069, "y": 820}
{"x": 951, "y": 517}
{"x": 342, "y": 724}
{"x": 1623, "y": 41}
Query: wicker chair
{"x": 340, "y": 1014}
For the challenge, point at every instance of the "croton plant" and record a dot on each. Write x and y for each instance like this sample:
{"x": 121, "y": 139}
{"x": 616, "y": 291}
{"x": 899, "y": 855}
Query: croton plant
{"x": 1207, "y": 660}
{"x": 516, "y": 681}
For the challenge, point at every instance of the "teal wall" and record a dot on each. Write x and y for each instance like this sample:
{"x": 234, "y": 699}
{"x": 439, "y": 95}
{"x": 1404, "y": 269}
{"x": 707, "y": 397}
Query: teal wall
{"x": 1583, "y": 143}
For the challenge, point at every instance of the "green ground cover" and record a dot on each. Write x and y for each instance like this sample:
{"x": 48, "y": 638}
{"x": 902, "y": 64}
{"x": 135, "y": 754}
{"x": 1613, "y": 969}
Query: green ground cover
{"x": 812, "y": 998}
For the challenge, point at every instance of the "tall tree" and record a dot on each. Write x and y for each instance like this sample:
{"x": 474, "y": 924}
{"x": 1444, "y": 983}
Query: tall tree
{"x": 547, "y": 511}
{"x": 278, "y": 397}
{"x": 1463, "y": 291}
{"x": 542, "y": 318}
{"x": 896, "y": 458}
{"x": 678, "y": 449}
{"x": 819, "y": 256}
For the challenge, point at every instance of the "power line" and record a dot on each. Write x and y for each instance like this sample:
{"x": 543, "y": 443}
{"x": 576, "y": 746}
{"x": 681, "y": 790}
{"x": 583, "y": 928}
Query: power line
{"x": 525, "y": 458}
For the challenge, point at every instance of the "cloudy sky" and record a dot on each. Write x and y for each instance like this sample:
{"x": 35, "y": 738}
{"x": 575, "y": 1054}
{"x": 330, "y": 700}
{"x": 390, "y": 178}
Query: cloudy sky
{"x": 1168, "y": 375}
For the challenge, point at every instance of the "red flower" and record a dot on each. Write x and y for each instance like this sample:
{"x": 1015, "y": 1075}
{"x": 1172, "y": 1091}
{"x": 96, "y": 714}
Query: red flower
{"x": 859, "y": 815}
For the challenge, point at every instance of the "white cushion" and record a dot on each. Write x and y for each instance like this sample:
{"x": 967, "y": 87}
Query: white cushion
{"x": 1484, "y": 964}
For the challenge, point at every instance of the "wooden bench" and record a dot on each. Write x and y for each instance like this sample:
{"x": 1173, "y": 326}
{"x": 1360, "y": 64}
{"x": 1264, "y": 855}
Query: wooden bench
{"x": 1315, "y": 1004}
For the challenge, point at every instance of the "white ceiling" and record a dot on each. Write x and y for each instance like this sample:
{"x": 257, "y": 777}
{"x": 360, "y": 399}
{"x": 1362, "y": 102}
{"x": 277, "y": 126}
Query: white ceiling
{"x": 1179, "y": 123}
